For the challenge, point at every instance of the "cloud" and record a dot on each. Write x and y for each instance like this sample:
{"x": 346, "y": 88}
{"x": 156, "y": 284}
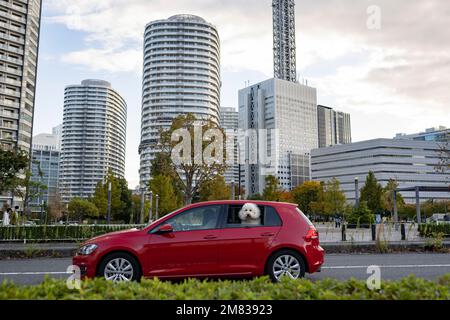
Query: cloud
{"x": 107, "y": 60}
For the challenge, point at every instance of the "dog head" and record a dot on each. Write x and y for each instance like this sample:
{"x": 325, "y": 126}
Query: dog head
{"x": 249, "y": 211}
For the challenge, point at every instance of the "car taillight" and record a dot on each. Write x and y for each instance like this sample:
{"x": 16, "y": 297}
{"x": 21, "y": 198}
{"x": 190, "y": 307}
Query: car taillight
{"x": 312, "y": 236}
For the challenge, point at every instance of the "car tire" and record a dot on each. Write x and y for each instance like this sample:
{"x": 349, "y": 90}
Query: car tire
{"x": 286, "y": 263}
{"x": 120, "y": 267}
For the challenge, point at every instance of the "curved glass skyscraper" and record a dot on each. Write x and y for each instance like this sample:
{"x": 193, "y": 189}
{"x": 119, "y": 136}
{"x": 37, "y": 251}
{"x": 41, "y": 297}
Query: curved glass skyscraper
{"x": 94, "y": 137}
{"x": 181, "y": 76}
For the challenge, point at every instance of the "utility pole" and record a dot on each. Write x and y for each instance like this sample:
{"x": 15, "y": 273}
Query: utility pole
{"x": 157, "y": 207}
{"x": 233, "y": 196}
{"x": 108, "y": 217}
{"x": 141, "y": 218}
{"x": 150, "y": 214}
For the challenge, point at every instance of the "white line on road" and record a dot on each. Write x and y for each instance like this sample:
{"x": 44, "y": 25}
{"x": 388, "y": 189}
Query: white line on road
{"x": 32, "y": 273}
{"x": 393, "y": 266}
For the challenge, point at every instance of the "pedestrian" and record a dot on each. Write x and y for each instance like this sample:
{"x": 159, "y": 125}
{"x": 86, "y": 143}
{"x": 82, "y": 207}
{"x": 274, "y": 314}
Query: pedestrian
{"x": 5, "y": 221}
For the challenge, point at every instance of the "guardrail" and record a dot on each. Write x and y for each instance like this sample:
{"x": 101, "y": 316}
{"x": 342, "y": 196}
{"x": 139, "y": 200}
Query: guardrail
{"x": 58, "y": 232}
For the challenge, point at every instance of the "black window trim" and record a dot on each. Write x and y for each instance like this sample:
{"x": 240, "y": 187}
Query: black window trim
{"x": 224, "y": 225}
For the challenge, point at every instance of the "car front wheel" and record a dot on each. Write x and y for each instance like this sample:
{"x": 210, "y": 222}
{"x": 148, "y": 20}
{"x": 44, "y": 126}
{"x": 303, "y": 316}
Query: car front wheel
{"x": 286, "y": 263}
{"x": 120, "y": 267}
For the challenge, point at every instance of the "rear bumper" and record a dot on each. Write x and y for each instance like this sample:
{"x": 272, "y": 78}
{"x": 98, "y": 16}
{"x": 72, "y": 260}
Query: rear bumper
{"x": 315, "y": 257}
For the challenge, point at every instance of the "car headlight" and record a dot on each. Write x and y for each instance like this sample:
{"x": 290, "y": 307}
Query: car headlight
{"x": 87, "y": 249}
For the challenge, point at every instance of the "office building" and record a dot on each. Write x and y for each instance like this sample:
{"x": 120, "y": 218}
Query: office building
{"x": 411, "y": 163}
{"x": 45, "y": 168}
{"x": 334, "y": 127}
{"x": 181, "y": 76}
{"x": 438, "y": 134}
{"x": 284, "y": 49}
{"x": 94, "y": 137}
{"x": 279, "y": 123}
{"x": 19, "y": 46}
{"x": 229, "y": 121}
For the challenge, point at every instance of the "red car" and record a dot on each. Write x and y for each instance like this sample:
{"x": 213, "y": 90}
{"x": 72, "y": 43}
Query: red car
{"x": 208, "y": 240}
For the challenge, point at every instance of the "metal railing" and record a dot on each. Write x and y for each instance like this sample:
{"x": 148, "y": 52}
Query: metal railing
{"x": 55, "y": 233}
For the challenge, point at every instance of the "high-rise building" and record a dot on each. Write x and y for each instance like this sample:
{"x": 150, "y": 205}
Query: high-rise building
{"x": 279, "y": 119}
{"x": 284, "y": 49}
{"x": 229, "y": 121}
{"x": 94, "y": 137}
{"x": 439, "y": 134}
{"x": 45, "y": 167}
{"x": 19, "y": 46}
{"x": 181, "y": 76}
{"x": 410, "y": 163}
{"x": 334, "y": 127}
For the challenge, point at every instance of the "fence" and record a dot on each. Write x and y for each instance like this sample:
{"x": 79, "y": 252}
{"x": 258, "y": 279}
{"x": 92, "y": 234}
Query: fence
{"x": 388, "y": 232}
{"x": 58, "y": 233}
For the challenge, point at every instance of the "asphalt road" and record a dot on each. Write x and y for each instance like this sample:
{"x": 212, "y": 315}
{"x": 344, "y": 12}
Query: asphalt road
{"x": 342, "y": 267}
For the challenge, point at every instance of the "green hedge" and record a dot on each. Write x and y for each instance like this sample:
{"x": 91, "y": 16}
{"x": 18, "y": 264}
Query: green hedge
{"x": 55, "y": 233}
{"x": 427, "y": 230}
{"x": 259, "y": 289}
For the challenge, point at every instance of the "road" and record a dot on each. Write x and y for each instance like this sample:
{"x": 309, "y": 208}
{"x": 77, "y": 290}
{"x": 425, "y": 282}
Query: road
{"x": 339, "y": 266}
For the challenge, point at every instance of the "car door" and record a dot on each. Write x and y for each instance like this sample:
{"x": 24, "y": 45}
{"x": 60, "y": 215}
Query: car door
{"x": 243, "y": 248}
{"x": 191, "y": 249}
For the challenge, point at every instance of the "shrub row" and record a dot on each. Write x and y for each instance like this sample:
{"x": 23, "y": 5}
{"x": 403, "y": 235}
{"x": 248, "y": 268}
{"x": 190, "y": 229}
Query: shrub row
{"x": 427, "y": 230}
{"x": 54, "y": 233}
{"x": 411, "y": 288}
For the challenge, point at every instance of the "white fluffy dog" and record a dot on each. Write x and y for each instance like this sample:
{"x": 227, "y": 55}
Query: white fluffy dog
{"x": 250, "y": 214}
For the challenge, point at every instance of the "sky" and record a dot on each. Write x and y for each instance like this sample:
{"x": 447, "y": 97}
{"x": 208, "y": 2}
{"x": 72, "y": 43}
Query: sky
{"x": 385, "y": 62}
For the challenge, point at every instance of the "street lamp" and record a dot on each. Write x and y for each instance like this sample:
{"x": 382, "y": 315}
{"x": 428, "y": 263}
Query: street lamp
{"x": 233, "y": 196}
{"x": 357, "y": 192}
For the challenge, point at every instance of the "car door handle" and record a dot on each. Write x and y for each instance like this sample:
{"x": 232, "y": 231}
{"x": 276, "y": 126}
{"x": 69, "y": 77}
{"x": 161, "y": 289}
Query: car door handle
{"x": 210, "y": 237}
{"x": 267, "y": 234}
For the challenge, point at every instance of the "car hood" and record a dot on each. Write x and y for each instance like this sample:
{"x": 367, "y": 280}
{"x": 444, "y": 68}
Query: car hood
{"x": 112, "y": 235}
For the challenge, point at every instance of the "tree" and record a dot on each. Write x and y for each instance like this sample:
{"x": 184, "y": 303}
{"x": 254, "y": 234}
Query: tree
{"x": 306, "y": 195}
{"x": 372, "y": 193}
{"x": 162, "y": 186}
{"x": 55, "y": 205}
{"x": 12, "y": 163}
{"x": 196, "y": 152}
{"x": 215, "y": 189}
{"x": 333, "y": 198}
{"x": 361, "y": 215}
{"x": 29, "y": 187}
{"x": 121, "y": 202}
{"x": 81, "y": 209}
{"x": 272, "y": 191}
{"x": 136, "y": 209}
{"x": 388, "y": 197}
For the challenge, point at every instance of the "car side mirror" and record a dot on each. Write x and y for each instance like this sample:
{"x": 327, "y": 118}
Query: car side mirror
{"x": 165, "y": 229}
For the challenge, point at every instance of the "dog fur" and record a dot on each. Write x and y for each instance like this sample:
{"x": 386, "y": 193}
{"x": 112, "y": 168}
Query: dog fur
{"x": 250, "y": 215}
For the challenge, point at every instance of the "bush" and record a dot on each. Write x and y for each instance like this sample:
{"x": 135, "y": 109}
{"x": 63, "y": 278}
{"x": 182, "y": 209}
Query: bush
{"x": 259, "y": 289}
{"x": 427, "y": 230}
{"x": 56, "y": 233}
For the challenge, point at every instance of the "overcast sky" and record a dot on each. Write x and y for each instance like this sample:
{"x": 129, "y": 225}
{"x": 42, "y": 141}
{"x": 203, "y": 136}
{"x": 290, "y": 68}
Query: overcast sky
{"x": 393, "y": 79}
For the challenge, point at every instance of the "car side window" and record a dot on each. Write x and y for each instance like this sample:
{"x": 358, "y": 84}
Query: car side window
{"x": 269, "y": 217}
{"x": 202, "y": 218}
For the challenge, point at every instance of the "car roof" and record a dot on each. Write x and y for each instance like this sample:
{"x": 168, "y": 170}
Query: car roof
{"x": 242, "y": 202}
